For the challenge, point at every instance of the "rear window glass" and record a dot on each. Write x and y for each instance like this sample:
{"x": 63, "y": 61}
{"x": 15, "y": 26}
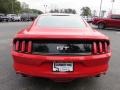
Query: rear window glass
{"x": 61, "y": 21}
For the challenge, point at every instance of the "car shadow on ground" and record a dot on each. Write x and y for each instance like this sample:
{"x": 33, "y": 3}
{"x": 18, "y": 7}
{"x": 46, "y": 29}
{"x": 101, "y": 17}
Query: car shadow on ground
{"x": 112, "y": 29}
{"x": 46, "y": 84}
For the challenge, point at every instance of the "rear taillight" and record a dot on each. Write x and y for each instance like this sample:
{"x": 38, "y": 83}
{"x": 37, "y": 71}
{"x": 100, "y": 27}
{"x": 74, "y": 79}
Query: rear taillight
{"x": 23, "y": 46}
{"x": 94, "y": 47}
{"x": 100, "y": 47}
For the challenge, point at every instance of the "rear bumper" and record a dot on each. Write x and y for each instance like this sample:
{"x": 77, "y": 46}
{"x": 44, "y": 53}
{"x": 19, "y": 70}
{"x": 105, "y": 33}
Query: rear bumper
{"x": 41, "y": 66}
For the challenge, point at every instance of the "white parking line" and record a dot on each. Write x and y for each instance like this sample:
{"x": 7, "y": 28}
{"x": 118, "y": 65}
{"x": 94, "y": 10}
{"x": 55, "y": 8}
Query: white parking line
{"x": 118, "y": 32}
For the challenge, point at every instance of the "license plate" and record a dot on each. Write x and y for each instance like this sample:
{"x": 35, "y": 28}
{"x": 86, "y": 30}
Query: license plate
{"x": 62, "y": 67}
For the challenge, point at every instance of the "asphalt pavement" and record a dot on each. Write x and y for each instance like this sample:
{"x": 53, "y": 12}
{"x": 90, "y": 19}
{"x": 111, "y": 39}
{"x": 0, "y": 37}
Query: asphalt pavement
{"x": 10, "y": 81}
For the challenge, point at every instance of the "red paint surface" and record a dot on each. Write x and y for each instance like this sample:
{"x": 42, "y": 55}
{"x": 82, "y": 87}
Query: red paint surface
{"x": 41, "y": 65}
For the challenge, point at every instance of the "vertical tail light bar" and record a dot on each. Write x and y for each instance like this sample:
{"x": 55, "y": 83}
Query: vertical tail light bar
{"x": 29, "y": 46}
{"x": 23, "y": 46}
{"x": 100, "y": 47}
{"x": 94, "y": 48}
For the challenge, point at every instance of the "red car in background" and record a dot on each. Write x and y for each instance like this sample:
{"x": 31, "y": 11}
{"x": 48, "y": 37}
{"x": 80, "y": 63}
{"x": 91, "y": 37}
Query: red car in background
{"x": 60, "y": 47}
{"x": 112, "y": 21}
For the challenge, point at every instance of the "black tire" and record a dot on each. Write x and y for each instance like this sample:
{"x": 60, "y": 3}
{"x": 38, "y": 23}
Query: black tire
{"x": 98, "y": 75}
{"x": 101, "y": 26}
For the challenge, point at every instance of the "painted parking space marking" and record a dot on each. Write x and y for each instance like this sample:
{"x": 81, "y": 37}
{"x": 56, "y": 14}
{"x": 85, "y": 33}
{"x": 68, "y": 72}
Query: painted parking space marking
{"x": 118, "y": 32}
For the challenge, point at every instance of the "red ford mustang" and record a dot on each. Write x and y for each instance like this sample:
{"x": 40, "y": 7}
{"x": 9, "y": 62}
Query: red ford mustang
{"x": 60, "y": 47}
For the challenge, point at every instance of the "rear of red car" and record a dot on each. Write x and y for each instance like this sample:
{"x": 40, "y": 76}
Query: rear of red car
{"x": 59, "y": 56}
{"x": 95, "y": 21}
{"x": 98, "y": 21}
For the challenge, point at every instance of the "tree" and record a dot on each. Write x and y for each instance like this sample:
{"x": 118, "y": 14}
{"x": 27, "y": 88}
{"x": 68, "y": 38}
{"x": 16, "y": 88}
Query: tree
{"x": 10, "y": 6}
{"x": 69, "y": 10}
{"x": 36, "y": 11}
{"x": 74, "y": 11}
{"x": 14, "y": 6}
{"x": 86, "y": 11}
{"x": 17, "y": 7}
{"x": 51, "y": 11}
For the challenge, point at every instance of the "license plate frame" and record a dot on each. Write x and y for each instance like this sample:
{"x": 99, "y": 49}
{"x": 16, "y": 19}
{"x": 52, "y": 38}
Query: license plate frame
{"x": 62, "y": 67}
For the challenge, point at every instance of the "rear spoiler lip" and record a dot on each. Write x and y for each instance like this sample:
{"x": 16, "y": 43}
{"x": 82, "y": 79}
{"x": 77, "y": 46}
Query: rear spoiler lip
{"x": 56, "y": 37}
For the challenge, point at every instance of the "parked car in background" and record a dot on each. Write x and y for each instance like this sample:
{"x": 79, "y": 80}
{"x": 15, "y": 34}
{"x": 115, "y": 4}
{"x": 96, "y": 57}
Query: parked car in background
{"x": 28, "y": 16}
{"x": 3, "y": 18}
{"x": 88, "y": 19}
{"x": 61, "y": 47}
{"x": 112, "y": 21}
{"x": 17, "y": 18}
{"x": 25, "y": 17}
{"x": 14, "y": 17}
{"x": 1, "y": 15}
